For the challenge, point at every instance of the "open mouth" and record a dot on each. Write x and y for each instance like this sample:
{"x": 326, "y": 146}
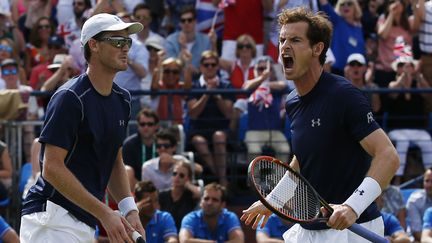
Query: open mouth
{"x": 288, "y": 61}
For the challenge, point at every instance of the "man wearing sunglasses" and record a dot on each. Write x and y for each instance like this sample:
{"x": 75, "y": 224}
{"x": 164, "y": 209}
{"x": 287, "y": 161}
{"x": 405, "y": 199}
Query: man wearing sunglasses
{"x": 86, "y": 122}
{"x": 159, "y": 169}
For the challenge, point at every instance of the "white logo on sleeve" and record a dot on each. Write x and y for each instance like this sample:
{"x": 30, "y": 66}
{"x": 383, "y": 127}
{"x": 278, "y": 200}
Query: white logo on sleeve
{"x": 316, "y": 122}
{"x": 370, "y": 118}
{"x": 121, "y": 123}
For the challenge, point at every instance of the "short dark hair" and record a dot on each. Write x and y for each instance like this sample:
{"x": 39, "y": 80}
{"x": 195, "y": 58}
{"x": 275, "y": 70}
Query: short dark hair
{"x": 142, "y": 187}
{"x": 148, "y": 113}
{"x": 217, "y": 187}
{"x": 140, "y": 6}
{"x": 166, "y": 134}
{"x": 87, "y": 51}
{"x": 319, "y": 27}
{"x": 188, "y": 9}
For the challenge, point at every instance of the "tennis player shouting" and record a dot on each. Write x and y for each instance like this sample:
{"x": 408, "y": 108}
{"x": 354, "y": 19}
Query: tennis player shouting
{"x": 338, "y": 147}
{"x": 84, "y": 128}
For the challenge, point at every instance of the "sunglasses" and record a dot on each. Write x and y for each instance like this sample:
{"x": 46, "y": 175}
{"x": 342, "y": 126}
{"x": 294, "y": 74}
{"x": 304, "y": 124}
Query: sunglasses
{"x": 188, "y": 20}
{"x": 207, "y": 65}
{"x": 7, "y": 72}
{"x": 261, "y": 69}
{"x": 163, "y": 145}
{"x": 148, "y": 124}
{"x": 5, "y": 48}
{"x": 241, "y": 46}
{"x": 142, "y": 17}
{"x": 181, "y": 175}
{"x": 44, "y": 27}
{"x": 151, "y": 48}
{"x": 355, "y": 64}
{"x": 171, "y": 71}
{"x": 117, "y": 41}
{"x": 348, "y": 4}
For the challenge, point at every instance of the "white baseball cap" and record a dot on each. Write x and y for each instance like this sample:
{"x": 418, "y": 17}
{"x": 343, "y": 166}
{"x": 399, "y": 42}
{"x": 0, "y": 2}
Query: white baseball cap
{"x": 356, "y": 57}
{"x": 106, "y": 22}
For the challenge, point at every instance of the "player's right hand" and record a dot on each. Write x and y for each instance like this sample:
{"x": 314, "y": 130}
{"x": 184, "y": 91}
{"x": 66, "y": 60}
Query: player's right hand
{"x": 258, "y": 211}
{"x": 112, "y": 222}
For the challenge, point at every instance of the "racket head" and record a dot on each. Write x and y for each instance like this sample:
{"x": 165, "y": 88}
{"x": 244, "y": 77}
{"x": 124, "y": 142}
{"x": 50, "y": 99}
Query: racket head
{"x": 294, "y": 200}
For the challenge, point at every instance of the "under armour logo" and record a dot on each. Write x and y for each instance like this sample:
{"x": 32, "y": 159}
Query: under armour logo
{"x": 316, "y": 123}
{"x": 361, "y": 192}
{"x": 370, "y": 117}
{"x": 121, "y": 123}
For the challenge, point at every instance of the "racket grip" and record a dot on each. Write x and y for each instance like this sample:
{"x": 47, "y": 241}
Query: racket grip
{"x": 137, "y": 237}
{"x": 367, "y": 234}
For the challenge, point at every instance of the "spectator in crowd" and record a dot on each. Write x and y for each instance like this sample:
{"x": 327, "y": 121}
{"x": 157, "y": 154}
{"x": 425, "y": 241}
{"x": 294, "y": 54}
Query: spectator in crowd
{"x": 213, "y": 222}
{"x": 63, "y": 69}
{"x": 393, "y": 203}
{"x": 393, "y": 230}
{"x": 359, "y": 73}
{"x": 346, "y": 29}
{"x": 187, "y": 41}
{"x": 140, "y": 146}
{"x": 37, "y": 51}
{"x": 236, "y": 12}
{"x": 241, "y": 69}
{"x": 7, "y": 233}
{"x": 183, "y": 195}
{"x": 273, "y": 231}
{"x": 36, "y": 10}
{"x": 423, "y": 24}
{"x": 371, "y": 12}
{"x": 18, "y": 9}
{"x": 71, "y": 29}
{"x": 167, "y": 76}
{"x": 417, "y": 204}
{"x": 173, "y": 14}
{"x": 142, "y": 14}
{"x": 7, "y": 50}
{"x": 156, "y": 51}
{"x": 159, "y": 225}
{"x": 264, "y": 107}
{"x": 407, "y": 122}
{"x": 209, "y": 116}
{"x": 40, "y": 73}
{"x": 109, "y": 6}
{"x": 9, "y": 30}
{"x": 392, "y": 27}
{"x": 159, "y": 170}
{"x": 136, "y": 71}
{"x": 5, "y": 171}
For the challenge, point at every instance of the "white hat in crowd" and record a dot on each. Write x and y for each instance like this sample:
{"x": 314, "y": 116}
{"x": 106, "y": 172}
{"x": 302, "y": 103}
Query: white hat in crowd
{"x": 356, "y": 57}
{"x": 155, "y": 42}
{"x": 57, "y": 61}
{"x": 106, "y": 22}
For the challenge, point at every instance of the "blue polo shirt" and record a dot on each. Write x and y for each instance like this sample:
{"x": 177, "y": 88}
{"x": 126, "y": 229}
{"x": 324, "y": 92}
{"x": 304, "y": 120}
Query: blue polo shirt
{"x": 274, "y": 228}
{"x": 327, "y": 125}
{"x": 4, "y": 228}
{"x": 160, "y": 227}
{"x": 227, "y": 222}
{"x": 427, "y": 219}
{"x": 391, "y": 224}
{"x": 91, "y": 127}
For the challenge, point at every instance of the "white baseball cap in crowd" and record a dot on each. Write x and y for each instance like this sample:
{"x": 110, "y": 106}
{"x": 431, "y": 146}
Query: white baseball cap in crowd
{"x": 356, "y": 57}
{"x": 106, "y": 22}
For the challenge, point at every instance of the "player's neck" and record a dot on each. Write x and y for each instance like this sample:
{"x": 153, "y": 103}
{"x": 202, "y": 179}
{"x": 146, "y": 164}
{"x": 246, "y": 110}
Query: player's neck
{"x": 101, "y": 81}
{"x": 308, "y": 81}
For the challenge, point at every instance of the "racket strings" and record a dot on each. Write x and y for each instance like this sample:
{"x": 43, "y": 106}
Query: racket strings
{"x": 289, "y": 195}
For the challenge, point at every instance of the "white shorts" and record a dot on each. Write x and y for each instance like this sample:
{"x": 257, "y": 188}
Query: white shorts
{"x": 298, "y": 234}
{"x": 56, "y": 224}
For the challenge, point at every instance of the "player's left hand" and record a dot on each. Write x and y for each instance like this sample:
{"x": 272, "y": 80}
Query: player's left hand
{"x": 343, "y": 216}
{"x": 134, "y": 221}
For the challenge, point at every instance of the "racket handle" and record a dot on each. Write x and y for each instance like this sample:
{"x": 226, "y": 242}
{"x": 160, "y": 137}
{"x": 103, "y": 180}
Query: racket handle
{"x": 367, "y": 234}
{"x": 137, "y": 237}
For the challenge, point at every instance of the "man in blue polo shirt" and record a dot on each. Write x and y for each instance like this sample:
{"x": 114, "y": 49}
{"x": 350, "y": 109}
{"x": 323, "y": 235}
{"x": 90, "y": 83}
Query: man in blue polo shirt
{"x": 159, "y": 225}
{"x": 213, "y": 221}
{"x": 80, "y": 157}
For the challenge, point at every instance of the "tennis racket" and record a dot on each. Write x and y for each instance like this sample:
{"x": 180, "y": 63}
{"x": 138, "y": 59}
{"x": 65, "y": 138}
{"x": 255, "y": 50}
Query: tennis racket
{"x": 292, "y": 197}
